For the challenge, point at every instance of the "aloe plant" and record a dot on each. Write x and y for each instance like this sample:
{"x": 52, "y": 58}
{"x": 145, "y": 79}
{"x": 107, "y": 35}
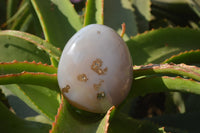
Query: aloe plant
{"x": 165, "y": 65}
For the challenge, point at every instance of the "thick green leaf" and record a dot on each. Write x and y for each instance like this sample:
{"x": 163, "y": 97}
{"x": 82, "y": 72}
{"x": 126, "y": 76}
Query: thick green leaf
{"x": 68, "y": 120}
{"x": 17, "y": 48}
{"x": 142, "y": 13}
{"x": 20, "y": 20}
{"x": 164, "y": 69}
{"x": 118, "y": 12}
{"x": 195, "y": 5}
{"x": 23, "y": 41}
{"x": 12, "y": 124}
{"x": 187, "y": 57}
{"x": 58, "y": 19}
{"x": 178, "y": 11}
{"x": 104, "y": 124}
{"x": 41, "y": 99}
{"x": 19, "y": 13}
{"x": 18, "y": 67}
{"x": 94, "y": 12}
{"x": 40, "y": 78}
{"x": 164, "y": 84}
{"x": 122, "y": 123}
{"x": 12, "y": 6}
{"x": 157, "y": 45}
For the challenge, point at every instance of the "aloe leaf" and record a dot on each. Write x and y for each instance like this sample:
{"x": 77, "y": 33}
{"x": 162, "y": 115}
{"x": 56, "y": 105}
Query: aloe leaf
{"x": 9, "y": 37}
{"x": 16, "y": 48}
{"x": 68, "y": 120}
{"x": 20, "y": 20}
{"x": 10, "y": 123}
{"x": 176, "y": 9}
{"x": 176, "y": 69}
{"x": 18, "y": 67}
{"x": 41, "y": 99}
{"x": 157, "y": 45}
{"x": 27, "y": 22}
{"x": 187, "y": 57}
{"x": 104, "y": 125}
{"x": 94, "y": 12}
{"x": 58, "y": 19}
{"x": 118, "y": 12}
{"x": 23, "y": 8}
{"x": 120, "y": 122}
{"x": 164, "y": 84}
{"x": 39, "y": 78}
{"x": 11, "y": 8}
{"x": 195, "y": 5}
{"x": 142, "y": 13}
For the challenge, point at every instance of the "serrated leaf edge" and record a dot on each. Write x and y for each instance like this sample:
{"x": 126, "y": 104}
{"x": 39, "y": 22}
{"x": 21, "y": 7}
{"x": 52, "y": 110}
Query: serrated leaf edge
{"x": 181, "y": 53}
{"x": 57, "y": 115}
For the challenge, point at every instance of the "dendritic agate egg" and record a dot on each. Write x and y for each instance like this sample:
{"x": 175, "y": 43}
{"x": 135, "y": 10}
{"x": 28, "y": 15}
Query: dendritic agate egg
{"x": 95, "y": 69}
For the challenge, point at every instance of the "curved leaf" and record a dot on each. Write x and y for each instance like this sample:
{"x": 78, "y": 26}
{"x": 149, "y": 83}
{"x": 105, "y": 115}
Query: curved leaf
{"x": 179, "y": 69}
{"x": 187, "y": 57}
{"x": 122, "y": 123}
{"x": 42, "y": 79}
{"x": 12, "y": 124}
{"x": 118, "y": 12}
{"x": 20, "y": 12}
{"x": 94, "y": 12}
{"x": 64, "y": 21}
{"x": 18, "y": 67}
{"x": 68, "y": 120}
{"x": 41, "y": 99}
{"x": 164, "y": 84}
{"x": 142, "y": 13}
{"x": 104, "y": 125}
{"x": 157, "y": 45}
{"x": 15, "y": 48}
{"x": 10, "y": 35}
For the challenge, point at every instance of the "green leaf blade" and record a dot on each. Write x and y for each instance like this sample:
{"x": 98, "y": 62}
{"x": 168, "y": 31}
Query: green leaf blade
{"x": 68, "y": 120}
{"x": 18, "y": 67}
{"x": 118, "y": 12}
{"x": 64, "y": 21}
{"x": 9, "y": 36}
{"x": 187, "y": 57}
{"x": 157, "y": 45}
{"x": 42, "y": 79}
{"x": 94, "y": 12}
{"x": 18, "y": 125}
{"x": 16, "y": 48}
{"x": 192, "y": 72}
{"x": 164, "y": 84}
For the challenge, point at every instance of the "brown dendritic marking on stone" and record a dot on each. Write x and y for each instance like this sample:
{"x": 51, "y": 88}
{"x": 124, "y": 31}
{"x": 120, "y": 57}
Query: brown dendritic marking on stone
{"x": 97, "y": 86}
{"x": 66, "y": 89}
{"x": 82, "y": 77}
{"x": 96, "y": 66}
{"x": 101, "y": 95}
{"x": 98, "y": 32}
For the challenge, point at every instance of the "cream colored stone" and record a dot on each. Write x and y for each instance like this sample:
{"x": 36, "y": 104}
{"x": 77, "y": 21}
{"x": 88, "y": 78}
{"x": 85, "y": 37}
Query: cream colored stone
{"x": 95, "y": 69}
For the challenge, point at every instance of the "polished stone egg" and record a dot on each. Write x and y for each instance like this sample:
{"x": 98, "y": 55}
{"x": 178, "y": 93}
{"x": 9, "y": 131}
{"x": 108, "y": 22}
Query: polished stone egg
{"x": 95, "y": 69}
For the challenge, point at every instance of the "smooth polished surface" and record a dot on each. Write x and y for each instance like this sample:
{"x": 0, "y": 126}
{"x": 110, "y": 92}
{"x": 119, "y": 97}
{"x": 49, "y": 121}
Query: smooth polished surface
{"x": 95, "y": 69}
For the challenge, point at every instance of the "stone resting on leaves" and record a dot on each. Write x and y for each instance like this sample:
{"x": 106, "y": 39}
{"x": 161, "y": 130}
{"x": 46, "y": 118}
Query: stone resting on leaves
{"x": 95, "y": 69}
